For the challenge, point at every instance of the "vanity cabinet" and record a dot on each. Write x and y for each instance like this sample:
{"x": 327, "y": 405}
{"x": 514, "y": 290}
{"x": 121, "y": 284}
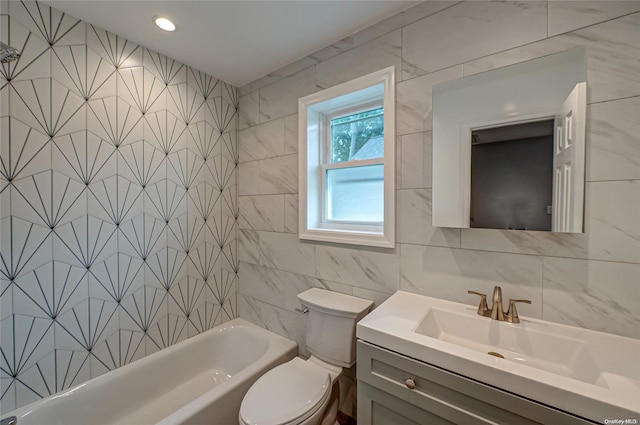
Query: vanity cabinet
{"x": 395, "y": 389}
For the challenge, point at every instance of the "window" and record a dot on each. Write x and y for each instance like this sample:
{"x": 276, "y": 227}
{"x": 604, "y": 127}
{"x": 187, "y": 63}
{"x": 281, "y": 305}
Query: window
{"x": 347, "y": 162}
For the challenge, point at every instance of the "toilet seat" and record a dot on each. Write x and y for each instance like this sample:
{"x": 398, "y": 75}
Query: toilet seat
{"x": 289, "y": 393}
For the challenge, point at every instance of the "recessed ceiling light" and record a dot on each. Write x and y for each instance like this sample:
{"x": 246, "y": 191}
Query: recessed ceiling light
{"x": 164, "y": 23}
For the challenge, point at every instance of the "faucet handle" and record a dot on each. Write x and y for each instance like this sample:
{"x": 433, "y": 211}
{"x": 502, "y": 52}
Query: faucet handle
{"x": 512, "y": 313}
{"x": 483, "y": 309}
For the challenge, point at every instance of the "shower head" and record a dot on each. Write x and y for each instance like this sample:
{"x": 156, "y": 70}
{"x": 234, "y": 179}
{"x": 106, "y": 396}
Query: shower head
{"x": 8, "y": 53}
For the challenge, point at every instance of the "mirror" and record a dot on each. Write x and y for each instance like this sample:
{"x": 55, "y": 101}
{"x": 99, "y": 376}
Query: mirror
{"x": 509, "y": 146}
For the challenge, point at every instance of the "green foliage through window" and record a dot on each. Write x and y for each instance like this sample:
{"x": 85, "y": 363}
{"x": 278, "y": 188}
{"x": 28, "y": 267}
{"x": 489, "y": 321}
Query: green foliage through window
{"x": 358, "y": 136}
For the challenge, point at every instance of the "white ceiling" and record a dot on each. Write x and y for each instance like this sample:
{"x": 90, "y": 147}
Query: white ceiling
{"x": 237, "y": 41}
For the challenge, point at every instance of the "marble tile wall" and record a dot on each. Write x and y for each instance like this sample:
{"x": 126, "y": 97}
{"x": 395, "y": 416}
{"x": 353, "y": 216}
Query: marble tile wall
{"x": 118, "y": 202}
{"x": 590, "y": 280}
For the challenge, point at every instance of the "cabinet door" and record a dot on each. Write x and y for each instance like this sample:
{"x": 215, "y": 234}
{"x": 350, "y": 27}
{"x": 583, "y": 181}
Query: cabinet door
{"x": 376, "y": 407}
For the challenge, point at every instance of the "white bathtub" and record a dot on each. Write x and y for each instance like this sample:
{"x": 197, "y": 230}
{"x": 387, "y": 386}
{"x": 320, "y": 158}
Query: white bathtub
{"x": 199, "y": 381}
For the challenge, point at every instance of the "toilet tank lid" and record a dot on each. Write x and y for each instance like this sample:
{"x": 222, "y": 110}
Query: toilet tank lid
{"x": 334, "y": 302}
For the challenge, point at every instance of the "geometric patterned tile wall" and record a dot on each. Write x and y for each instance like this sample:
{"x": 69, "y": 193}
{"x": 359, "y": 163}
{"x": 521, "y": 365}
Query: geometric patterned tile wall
{"x": 118, "y": 202}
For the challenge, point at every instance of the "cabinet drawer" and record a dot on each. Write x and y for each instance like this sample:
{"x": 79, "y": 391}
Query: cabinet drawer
{"x": 375, "y": 407}
{"x": 448, "y": 395}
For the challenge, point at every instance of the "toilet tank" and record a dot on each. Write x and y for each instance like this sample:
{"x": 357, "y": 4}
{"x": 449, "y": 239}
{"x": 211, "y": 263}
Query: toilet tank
{"x": 331, "y": 324}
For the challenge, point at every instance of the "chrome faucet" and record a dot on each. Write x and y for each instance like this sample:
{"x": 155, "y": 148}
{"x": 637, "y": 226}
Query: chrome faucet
{"x": 496, "y": 312}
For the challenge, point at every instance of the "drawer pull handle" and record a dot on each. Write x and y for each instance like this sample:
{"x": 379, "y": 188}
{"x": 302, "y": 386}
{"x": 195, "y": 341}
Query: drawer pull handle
{"x": 410, "y": 383}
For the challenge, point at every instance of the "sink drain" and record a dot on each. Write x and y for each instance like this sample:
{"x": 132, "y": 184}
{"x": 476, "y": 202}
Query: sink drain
{"x": 493, "y": 353}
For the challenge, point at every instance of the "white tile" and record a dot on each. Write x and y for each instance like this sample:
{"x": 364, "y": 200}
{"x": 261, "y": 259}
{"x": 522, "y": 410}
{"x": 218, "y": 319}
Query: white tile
{"x": 613, "y": 138}
{"x": 567, "y": 16}
{"x": 249, "y": 246}
{"x": 296, "y": 284}
{"x": 470, "y": 30}
{"x": 596, "y": 295}
{"x": 249, "y": 110}
{"x": 375, "y": 296}
{"x": 612, "y": 224}
{"x": 449, "y": 273}
{"x": 6, "y": 298}
{"x": 413, "y": 100}
{"x": 612, "y": 230}
{"x": 291, "y": 134}
{"x": 35, "y": 56}
{"x": 262, "y": 141}
{"x": 383, "y": 27}
{"x": 262, "y": 283}
{"x": 525, "y": 242}
{"x": 291, "y": 213}
{"x": 284, "y": 323}
{"x": 613, "y": 71}
{"x": 285, "y": 251}
{"x": 373, "y": 56}
{"x": 279, "y": 175}
{"x": 265, "y": 212}
{"x": 414, "y": 221}
{"x": 24, "y": 246}
{"x": 374, "y": 269}
{"x": 249, "y": 178}
{"x": 280, "y": 99}
{"x": 416, "y": 160}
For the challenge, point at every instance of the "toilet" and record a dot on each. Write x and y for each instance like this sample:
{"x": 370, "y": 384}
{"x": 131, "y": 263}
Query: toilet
{"x": 306, "y": 392}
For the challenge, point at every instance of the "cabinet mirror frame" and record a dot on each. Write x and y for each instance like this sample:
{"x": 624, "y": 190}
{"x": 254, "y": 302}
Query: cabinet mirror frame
{"x": 552, "y": 86}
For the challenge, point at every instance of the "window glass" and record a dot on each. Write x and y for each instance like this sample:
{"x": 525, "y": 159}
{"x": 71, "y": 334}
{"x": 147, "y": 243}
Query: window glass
{"x": 356, "y": 193}
{"x": 357, "y": 136}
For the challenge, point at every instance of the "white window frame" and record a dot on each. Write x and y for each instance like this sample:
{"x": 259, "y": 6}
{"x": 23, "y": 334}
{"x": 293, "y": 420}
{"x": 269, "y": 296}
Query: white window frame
{"x": 314, "y": 114}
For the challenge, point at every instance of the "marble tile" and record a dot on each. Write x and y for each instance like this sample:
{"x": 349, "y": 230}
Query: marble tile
{"x": 413, "y": 100}
{"x": 249, "y": 246}
{"x": 370, "y": 57}
{"x": 249, "y": 110}
{"x": 291, "y": 213}
{"x": 284, "y": 323}
{"x": 612, "y": 223}
{"x": 613, "y": 138}
{"x": 612, "y": 229}
{"x": 262, "y": 141}
{"x": 414, "y": 221}
{"x": 524, "y": 242}
{"x": 449, "y": 273}
{"x": 565, "y": 16}
{"x": 416, "y": 160}
{"x": 279, "y": 175}
{"x": 262, "y": 283}
{"x": 375, "y": 296}
{"x": 278, "y": 74}
{"x": 612, "y": 52}
{"x": 381, "y": 28}
{"x": 468, "y": 31}
{"x": 375, "y": 269}
{"x": 264, "y": 212}
{"x": 291, "y": 134}
{"x": 285, "y": 251}
{"x": 249, "y": 178}
{"x": 280, "y": 99}
{"x": 294, "y": 284}
{"x": 596, "y": 295}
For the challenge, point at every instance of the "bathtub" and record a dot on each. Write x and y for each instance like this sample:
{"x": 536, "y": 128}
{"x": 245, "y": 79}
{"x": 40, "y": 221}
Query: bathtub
{"x": 199, "y": 381}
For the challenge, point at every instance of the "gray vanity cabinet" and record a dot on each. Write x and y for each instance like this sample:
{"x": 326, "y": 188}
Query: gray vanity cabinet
{"x": 395, "y": 389}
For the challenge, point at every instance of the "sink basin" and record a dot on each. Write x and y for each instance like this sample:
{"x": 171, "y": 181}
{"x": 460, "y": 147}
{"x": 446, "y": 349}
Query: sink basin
{"x": 538, "y": 348}
{"x": 590, "y": 374}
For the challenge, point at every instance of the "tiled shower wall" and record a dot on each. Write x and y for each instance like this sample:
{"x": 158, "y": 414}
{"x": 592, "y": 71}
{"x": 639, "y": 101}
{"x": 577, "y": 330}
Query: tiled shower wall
{"x": 118, "y": 202}
{"x": 590, "y": 280}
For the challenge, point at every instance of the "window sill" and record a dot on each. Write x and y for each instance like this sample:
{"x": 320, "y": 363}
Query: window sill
{"x": 351, "y": 237}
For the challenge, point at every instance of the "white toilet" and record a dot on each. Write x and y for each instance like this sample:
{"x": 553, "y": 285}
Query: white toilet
{"x": 306, "y": 392}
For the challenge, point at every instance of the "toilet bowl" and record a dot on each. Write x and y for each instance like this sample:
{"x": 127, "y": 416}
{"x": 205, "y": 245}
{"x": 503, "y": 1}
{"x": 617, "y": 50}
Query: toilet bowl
{"x": 306, "y": 392}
